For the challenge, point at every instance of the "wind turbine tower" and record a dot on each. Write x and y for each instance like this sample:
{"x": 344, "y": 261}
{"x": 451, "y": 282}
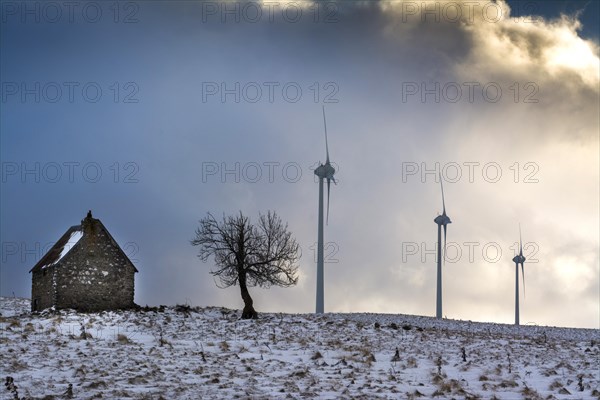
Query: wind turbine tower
{"x": 519, "y": 259}
{"x": 323, "y": 171}
{"x": 440, "y": 220}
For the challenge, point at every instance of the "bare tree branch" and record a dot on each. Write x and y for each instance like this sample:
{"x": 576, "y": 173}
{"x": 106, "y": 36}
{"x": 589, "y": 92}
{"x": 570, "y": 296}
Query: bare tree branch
{"x": 262, "y": 255}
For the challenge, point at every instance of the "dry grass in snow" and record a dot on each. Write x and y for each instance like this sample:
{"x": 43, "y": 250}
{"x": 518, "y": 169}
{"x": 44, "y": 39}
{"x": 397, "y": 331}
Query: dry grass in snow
{"x": 191, "y": 353}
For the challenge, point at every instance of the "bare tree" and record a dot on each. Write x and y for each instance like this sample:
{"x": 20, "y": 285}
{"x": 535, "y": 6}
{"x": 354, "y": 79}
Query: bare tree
{"x": 249, "y": 255}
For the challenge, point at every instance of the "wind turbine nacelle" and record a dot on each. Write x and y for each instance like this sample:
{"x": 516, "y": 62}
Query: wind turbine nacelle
{"x": 518, "y": 259}
{"x": 442, "y": 220}
{"x": 325, "y": 171}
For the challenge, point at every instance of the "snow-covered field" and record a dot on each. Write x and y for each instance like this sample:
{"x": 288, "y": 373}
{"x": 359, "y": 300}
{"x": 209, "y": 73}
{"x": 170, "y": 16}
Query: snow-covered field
{"x": 193, "y": 353}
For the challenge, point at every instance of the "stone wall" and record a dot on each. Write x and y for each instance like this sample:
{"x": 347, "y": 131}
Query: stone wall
{"x": 95, "y": 275}
{"x": 42, "y": 291}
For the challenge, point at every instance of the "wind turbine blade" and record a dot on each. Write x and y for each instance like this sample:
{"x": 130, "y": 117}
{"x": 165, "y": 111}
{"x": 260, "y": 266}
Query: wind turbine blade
{"x": 443, "y": 202}
{"x": 520, "y": 242}
{"x": 444, "y": 245}
{"x": 326, "y": 144}
{"x": 523, "y": 271}
{"x": 328, "y": 189}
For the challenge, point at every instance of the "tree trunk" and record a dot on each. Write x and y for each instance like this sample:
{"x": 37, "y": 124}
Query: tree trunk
{"x": 248, "y": 312}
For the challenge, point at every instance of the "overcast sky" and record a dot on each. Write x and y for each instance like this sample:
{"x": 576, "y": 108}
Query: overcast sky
{"x": 155, "y": 113}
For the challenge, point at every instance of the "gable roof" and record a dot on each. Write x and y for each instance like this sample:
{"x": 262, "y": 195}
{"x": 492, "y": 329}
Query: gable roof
{"x": 69, "y": 240}
{"x": 60, "y": 248}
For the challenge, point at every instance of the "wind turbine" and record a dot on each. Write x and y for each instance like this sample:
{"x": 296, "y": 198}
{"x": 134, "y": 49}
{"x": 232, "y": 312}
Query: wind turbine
{"x": 519, "y": 259}
{"x": 440, "y": 220}
{"x": 323, "y": 171}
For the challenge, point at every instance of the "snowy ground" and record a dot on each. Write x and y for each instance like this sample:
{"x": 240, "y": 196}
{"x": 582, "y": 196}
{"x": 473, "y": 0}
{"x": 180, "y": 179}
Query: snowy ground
{"x": 181, "y": 353}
